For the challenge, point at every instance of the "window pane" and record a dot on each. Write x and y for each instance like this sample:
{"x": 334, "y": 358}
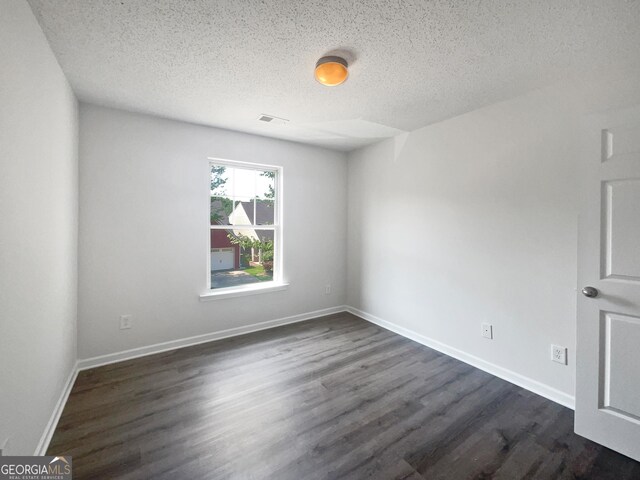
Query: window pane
{"x": 254, "y": 212}
{"x": 241, "y": 196}
{"x": 241, "y": 256}
{"x": 221, "y": 200}
{"x": 265, "y": 198}
{"x": 244, "y": 184}
{"x": 221, "y": 208}
{"x": 242, "y": 213}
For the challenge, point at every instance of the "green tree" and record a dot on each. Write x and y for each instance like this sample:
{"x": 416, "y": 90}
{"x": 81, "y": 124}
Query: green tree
{"x": 264, "y": 246}
{"x": 271, "y": 194}
{"x": 221, "y": 206}
{"x": 218, "y": 180}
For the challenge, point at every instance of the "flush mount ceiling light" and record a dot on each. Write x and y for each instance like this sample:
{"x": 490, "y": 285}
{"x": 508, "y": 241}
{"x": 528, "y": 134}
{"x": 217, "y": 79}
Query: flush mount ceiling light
{"x": 331, "y": 71}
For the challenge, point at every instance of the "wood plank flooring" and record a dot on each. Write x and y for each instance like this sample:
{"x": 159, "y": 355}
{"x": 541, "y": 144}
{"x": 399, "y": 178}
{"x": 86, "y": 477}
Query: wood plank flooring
{"x": 332, "y": 398}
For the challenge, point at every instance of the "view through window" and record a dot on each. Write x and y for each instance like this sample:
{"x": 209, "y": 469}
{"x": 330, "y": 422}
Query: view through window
{"x": 244, "y": 225}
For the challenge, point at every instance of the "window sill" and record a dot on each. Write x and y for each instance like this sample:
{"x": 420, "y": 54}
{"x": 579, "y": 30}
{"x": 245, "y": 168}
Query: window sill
{"x": 232, "y": 292}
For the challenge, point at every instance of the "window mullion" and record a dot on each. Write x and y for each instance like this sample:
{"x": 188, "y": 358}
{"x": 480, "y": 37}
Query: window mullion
{"x": 243, "y": 227}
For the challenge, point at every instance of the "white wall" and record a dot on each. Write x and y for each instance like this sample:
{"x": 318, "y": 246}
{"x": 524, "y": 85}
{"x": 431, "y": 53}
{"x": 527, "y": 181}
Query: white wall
{"x": 144, "y": 186}
{"x": 38, "y": 230}
{"x": 475, "y": 220}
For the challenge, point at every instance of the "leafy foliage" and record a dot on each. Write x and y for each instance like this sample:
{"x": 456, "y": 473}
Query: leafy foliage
{"x": 264, "y": 245}
{"x": 271, "y": 194}
{"x": 221, "y": 208}
{"x": 218, "y": 179}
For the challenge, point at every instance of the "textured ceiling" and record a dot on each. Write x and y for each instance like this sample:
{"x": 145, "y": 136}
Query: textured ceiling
{"x": 224, "y": 62}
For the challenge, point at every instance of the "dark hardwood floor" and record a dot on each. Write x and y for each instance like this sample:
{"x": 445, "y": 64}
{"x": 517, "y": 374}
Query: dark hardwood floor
{"x": 330, "y": 398}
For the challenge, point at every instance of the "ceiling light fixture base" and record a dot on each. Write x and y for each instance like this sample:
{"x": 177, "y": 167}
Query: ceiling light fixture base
{"x": 331, "y": 70}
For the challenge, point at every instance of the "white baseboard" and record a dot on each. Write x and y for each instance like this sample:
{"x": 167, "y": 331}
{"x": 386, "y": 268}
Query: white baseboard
{"x": 510, "y": 376}
{"x": 43, "y": 444}
{"x": 101, "y": 360}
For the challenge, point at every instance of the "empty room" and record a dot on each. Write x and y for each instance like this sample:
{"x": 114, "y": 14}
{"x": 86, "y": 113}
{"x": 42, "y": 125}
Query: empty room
{"x": 291, "y": 240}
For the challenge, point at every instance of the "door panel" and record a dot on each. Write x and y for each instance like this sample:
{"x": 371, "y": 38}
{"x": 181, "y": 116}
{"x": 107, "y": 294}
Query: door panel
{"x": 622, "y": 229}
{"x": 621, "y": 363}
{"x": 608, "y": 325}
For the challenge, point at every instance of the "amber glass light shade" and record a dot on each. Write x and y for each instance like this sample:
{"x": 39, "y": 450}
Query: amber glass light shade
{"x": 331, "y": 71}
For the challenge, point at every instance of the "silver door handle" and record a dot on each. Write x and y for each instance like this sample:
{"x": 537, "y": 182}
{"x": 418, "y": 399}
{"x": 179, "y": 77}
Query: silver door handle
{"x": 590, "y": 292}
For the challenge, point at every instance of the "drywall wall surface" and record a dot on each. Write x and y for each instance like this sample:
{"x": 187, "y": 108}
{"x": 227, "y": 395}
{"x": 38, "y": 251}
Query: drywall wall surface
{"x": 144, "y": 213}
{"x": 474, "y": 220}
{"x": 38, "y": 231}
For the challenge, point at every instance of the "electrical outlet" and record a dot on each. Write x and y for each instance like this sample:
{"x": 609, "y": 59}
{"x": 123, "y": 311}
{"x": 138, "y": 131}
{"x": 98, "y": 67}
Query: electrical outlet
{"x": 559, "y": 354}
{"x": 125, "y": 322}
{"x": 487, "y": 331}
{"x": 327, "y": 289}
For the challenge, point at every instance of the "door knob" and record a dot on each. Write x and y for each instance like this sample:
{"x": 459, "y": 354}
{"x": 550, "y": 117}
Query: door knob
{"x": 590, "y": 292}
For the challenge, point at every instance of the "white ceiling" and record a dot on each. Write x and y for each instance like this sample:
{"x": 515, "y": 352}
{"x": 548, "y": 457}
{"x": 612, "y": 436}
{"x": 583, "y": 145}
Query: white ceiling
{"x": 413, "y": 62}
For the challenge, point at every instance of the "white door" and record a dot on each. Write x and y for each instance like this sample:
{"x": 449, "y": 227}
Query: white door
{"x": 221, "y": 259}
{"x": 608, "y": 340}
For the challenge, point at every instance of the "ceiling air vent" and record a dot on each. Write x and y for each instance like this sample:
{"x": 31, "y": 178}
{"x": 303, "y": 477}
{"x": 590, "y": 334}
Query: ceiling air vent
{"x": 273, "y": 120}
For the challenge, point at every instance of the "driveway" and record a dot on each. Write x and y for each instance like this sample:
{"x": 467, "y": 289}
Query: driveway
{"x": 231, "y": 278}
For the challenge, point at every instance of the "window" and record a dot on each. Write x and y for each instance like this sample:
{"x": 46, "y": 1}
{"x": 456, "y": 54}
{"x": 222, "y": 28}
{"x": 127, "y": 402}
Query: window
{"x": 245, "y": 228}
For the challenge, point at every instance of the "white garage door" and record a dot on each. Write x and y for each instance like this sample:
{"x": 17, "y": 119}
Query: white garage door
{"x": 221, "y": 258}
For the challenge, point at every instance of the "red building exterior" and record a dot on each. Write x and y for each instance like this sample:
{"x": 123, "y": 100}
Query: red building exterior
{"x": 219, "y": 239}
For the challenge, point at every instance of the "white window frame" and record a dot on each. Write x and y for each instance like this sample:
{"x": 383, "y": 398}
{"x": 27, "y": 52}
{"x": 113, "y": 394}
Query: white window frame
{"x": 278, "y": 282}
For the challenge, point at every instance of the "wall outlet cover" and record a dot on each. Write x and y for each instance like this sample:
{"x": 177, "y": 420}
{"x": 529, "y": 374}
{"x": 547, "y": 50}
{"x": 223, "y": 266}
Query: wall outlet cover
{"x": 559, "y": 354}
{"x": 125, "y": 322}
{"x": 487, "y": 331}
